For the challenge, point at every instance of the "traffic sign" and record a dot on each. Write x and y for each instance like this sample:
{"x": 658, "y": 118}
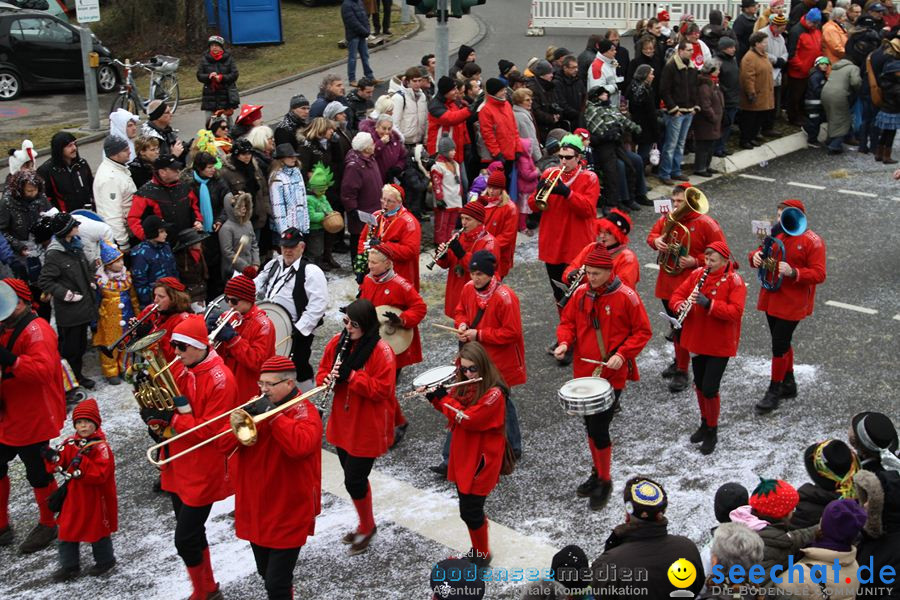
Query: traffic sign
{"x": 87, "y": 11}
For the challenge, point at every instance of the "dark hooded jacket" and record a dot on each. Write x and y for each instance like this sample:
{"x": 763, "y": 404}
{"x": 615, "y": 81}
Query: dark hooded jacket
{"x": 714, "y": 31}
{"x": 570, "y": 95}
{"x": 813, "y": 500}
{"x": 218, "y": 94}
{"x": 461, "y": 55}
{"x": 286, "y": 130}
{"x": 881, "y": 534}
{"x": 66, "y": 269}
{"x": 69, "y": 187}
{"x": 19, "y": 214}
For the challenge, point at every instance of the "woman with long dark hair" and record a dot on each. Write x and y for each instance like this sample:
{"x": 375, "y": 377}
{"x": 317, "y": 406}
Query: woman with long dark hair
{"x": 360, "y": 367}
{"x": 476, "y": 416}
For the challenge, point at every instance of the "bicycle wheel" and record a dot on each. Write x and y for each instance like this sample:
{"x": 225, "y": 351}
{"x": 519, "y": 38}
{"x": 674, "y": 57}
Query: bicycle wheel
{"x": 166, "y": 89}
{"x": 127, "y": 102}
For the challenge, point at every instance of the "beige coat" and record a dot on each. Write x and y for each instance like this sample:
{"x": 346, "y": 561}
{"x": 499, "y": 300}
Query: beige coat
{"x": 824, "y": 558}
{"x": 757, "y": 81}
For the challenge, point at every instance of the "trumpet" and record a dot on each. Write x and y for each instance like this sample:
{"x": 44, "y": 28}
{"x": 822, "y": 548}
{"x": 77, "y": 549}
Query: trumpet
{"x": 120, "y": 343}
{"x": 676, "y": 235}
{"x": 439, "y": 255}
{"x": 229, "y": 317}
{"x": 793, "y": 223}
{"x": 572, "y": 287}
{"x": 543, "y": 193}
{"x": 431, "y": 388}
{"x": 241, "y": 424}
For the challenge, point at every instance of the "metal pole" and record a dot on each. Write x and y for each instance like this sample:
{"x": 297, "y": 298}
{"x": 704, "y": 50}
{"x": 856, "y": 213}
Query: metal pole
{"x": 442, "y": 41}
{"x": 90, "y": 80}
{"x": 404, "y": 12}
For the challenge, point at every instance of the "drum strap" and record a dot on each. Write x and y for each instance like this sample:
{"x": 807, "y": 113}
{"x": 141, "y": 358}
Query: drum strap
{"x": 595, "y": 321}
{"x": 479, "y": 313}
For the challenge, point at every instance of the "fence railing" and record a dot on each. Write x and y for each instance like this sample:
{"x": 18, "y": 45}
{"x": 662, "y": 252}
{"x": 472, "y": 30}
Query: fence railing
{"x": 620, "y": 14}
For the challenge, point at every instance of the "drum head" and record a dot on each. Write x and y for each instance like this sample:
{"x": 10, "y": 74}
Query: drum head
{"x": 281, "y": 320}
{"x": 216, "y": 307}
{"x": 434, "y": 376}
{"x": 585, "y": 387}
{"x": 146, "y": 341}
{"x": 398, "y": 338}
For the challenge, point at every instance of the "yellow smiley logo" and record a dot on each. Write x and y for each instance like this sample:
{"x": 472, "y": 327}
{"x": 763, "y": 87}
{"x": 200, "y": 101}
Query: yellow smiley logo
{"x": 682, "y": 573}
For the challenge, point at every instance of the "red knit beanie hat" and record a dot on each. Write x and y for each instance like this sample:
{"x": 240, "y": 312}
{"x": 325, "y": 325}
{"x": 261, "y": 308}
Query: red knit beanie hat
{"x": 87, "y": 409}
{"x": 497, "y": 179}
{"x": 242, "y": 288}
{"x": 474, "y": 210}
{"x": 599, "y": 258}
{"x": 277, "y": 364}
{"x": 20, "y": 288}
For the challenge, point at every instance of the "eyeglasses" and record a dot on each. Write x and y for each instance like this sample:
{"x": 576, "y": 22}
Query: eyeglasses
{"x": 469, "y": 369}
{"x": 566, "y": 156}
{"x": 269, "y": 384}
{"x": 232, "y": 301}
{"x": 181, "y": 346}
{"x": 354, "y": 324}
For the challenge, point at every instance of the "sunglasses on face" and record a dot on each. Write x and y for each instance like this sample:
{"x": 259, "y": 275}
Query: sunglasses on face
{"x": 470, "y": 369}
{"x": 566, "y": 156}
{"x": 232, "y": 301}
{"x": 353, "y": 324}
{"x": 180, "y": 346}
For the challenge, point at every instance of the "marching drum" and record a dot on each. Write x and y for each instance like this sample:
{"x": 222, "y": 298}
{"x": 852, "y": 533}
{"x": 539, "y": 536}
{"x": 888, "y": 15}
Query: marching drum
{"x": 586, "y": 396}
{"x": 281, "y": 319}
{"x": 434, "y": 377}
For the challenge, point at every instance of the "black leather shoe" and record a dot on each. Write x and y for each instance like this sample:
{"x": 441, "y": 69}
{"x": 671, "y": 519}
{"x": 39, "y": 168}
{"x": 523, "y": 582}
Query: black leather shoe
{"x": 87, "y": 382}
{"x": 65, "y": 574}
{"x": 710, "y": 437}
{"x": 789, "y": 386}
{"x": 589, "y": 485}
{"x": 644, "y": 201}
{"x": 38, "y": 538}
{"x": 770, "y": 400}
{"x": 679, "y": 382}
{"x": 697, "y": 436}
{"x": 669, "y": 371}
{"x": 440, "y": 469}
{"x": 600, "y": 495}
{"x": 7, "y": 536}
{"x": 631, "y": 205}
{"x": 100, "y": 569}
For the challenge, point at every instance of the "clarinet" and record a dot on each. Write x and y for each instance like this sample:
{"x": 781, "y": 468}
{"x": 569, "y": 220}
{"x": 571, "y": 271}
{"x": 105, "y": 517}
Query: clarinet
{"x": 689, "y": 303}
{"x": 439, "y": 255}
{"x": 345, "y": 339}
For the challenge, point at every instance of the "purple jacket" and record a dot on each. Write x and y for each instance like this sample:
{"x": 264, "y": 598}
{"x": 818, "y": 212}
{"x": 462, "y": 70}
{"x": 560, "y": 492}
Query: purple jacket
{"x": 389, "y": 155}
{"x": 360, "y": 188}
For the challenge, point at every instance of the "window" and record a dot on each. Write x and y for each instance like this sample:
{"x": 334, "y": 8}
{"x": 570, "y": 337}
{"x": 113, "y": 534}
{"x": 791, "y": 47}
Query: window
{"x": 40, "y": 30}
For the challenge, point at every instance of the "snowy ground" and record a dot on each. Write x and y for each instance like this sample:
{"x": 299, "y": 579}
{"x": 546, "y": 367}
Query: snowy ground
{"x": 844, "y": 364}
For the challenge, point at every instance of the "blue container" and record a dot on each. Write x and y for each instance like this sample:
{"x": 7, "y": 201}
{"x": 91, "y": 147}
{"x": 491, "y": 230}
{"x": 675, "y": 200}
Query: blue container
{"x": 212, "y": 13}
{"x": 247, "y": 22}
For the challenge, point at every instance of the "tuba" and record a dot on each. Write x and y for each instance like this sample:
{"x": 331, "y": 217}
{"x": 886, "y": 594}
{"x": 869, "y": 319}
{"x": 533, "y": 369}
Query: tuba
{"x": 793, "y": 223}
{"x": 151, "y": 375}
{"x": 543, "y": 193}
{"x": 678, "y": 237}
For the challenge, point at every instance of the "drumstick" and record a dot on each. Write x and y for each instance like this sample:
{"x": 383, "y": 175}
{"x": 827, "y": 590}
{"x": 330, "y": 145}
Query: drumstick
{"x": 594, "y": 362}
{"x": 245, "y": 239}
{"x": 446, "y": 328}
{"x": 283, "y": 340}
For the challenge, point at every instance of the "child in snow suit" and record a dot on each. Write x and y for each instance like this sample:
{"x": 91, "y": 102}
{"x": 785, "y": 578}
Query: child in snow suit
{"x": 812, "y": 101}
{"x": 448, "y": 190}
{"x": 152, "y": 259}
{"x": 318, "y": 206}
{"x": 238, "y": 210}
{"x": 118, "y": 304}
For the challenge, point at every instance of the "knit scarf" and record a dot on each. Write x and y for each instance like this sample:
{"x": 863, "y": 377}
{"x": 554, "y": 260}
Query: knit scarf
{"x": 216, "y": 54}
{"x": 384, "y": 277}
{"x": 205, "y": 202}
{"x": 483, "y": 295}
{"x": 73, "y": 245}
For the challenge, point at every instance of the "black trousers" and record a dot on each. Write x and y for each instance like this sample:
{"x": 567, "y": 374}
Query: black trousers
{"x": 769, "y": 116}
{"x": 606, "y": 166}
{"x": 301, "y": 349}
{"x": 751, "y": 123}
{"x": 471, "y": 509}
{"x": 35, "y": 473}
{"x": 555, "y": 272}
{"x": 782, "y": 332}
{"x": 356, "y": 473}
{"x": 73, "y": 345}
{"x": 190, "y": 530}
{"x": 598, "y": 425}
{"x": 385, "y": 24}
{"x": 212, "y": 253}
{"x": 703, "y": 154}
{"x": 276, "y": 567}
{"x": 708, "y": 371}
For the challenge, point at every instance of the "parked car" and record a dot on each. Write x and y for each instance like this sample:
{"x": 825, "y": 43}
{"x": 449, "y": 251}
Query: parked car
{"x": 40, "y": 51}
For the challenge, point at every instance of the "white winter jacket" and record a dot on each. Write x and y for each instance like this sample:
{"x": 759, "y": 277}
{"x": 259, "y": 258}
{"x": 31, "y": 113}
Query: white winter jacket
{"x": 113, "y": 189}
{"x": 410, "y": 114}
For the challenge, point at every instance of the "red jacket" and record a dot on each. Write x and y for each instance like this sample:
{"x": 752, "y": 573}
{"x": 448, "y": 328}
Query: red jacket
{"x": 713, "y": 331}
{"x": 32, "y": 397}
{"x": 401, "y": 235}
{"x": 704, "y": 230}
{"x": 809, "y": 47}
{"x": 139, "y": 206}
{"x": 458, "y": 268}
{"x": 502, "y": 221}
{"x": 567, "y": 224}
{"x": 447, "y": 118}
{"x": 625, "y": 264}
{"x": 623, "y": 323}
{"x": 795, "y": 299}
{"x": 499, "y": 330}
{"x": 478, "y": 443}
{"x": 398, "y": 292}
{"x": 201, "y": 478}
{"x": 362, "y": 415}
{"x": 278, "y": 480}
{"x": 90, "y": 512}
{"x": 498, "y": 127}
{"x": 245, "y": 353}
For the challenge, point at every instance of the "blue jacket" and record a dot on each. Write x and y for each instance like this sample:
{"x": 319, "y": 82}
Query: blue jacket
{"x": 356, "y": 21}
{"x": 150, "y": 262}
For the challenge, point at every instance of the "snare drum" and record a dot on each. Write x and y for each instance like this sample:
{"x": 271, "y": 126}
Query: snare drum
{"x": 434, "y": 377}
{"x": 586, "y": 396}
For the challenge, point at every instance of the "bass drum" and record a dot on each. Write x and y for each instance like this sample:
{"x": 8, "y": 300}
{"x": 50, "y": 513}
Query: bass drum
{"x": 281, "y": 319}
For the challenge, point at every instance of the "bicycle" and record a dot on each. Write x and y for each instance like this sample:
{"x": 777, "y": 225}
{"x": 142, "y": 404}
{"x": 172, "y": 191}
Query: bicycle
{"x": 163, "y": 84}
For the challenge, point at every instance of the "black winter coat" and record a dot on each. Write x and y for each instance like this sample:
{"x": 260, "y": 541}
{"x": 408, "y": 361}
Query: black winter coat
{"x": 141, "y": 172}
{"x": 286, "y": 130}
{"x": 252, "y": 180}
{"x": 68, "y": 270}
{"x": 729, "y": 80}
{"x": 219, "y": 94}
{"x": 570, "y": 94}
{"x": 68, "y": 187}
{"x": 678, "y": 85}
{"x": 813, "y": 501}
{"x": 780, "y": 542}
{"x": 544, "y": 97}
{"x": 643, "y": 108}
{"x": 890, "y": 88}
{"x": 655, "y": 61}
{"x": 218, "y": 189}
{"x": 356, "y": 21}
{"x": 18, "y": 216}
{"x": 743, "y": 29}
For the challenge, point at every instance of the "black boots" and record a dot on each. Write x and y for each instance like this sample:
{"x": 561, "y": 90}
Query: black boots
{"x": 600, "y": 495}
{"x": 789, "y": 386}
{"x": 770, "y": 400}
{"x": 697, "y": 436}
{"x": 669, "y": 372}
{"x": 710, "y": 437}
{"x": 589, "y": 485}
{"x": 679, "y": 382}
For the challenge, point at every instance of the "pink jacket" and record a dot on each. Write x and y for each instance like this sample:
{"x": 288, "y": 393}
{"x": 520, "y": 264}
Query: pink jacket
{"x": 528, "y": 173}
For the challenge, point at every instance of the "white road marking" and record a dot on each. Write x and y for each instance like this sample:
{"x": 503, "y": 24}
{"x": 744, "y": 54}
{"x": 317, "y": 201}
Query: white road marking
{"x": 897, "y": 317}
{"x": 653, "y": 266}
{"x": 436, "y": 517}
{"x": 806, "y": 185}
{"x": 896, "y": 199}
{"x": 855, "y": 193}
{"x": 756, "y": 177}
{"x": 862, "y": 309}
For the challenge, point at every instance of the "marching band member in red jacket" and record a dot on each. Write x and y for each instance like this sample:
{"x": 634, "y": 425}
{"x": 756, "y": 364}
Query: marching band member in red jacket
{"x": 361, "y": 423}
{"x": 383, "y": 286}
{"x": 246, "y": 346}
{"x": 34, "y": 409}
{"x": 711, "y": 332}
{"x": 200, "y": 478}
{"x": 475, "y": 416}
{"x": 90, "y": 511}
{"x": 612, "y": 234}
{"x": 803, "y": 268}
{"x": 173, "y": 305}
{"x": 278, "y": 480}
{"x": 501, "y": 220}
{"x": 606, "y": 321}
{"x": 704, "y": 231}
{"x": 456, "y": 259}
{"x": 398, "y": 231}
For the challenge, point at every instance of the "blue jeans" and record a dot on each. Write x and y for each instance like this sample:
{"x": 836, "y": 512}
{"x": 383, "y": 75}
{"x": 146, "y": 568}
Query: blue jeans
{"x": 728, "y": 116}
{"x": 513, "y": 433}
{"x": 102, "y": 550}
{"x": 354, "y": 45}
{"x": 677, "y": 127}
{"x": 868, "y": 134}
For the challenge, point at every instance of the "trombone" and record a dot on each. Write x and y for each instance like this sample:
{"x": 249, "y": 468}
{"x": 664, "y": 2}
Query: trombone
{"x": 241, "y": 424}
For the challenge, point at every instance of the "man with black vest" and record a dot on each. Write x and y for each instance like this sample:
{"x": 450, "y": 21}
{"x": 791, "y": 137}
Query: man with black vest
{"x": 299, "y": 287}
{"x": 167, "y": 197}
